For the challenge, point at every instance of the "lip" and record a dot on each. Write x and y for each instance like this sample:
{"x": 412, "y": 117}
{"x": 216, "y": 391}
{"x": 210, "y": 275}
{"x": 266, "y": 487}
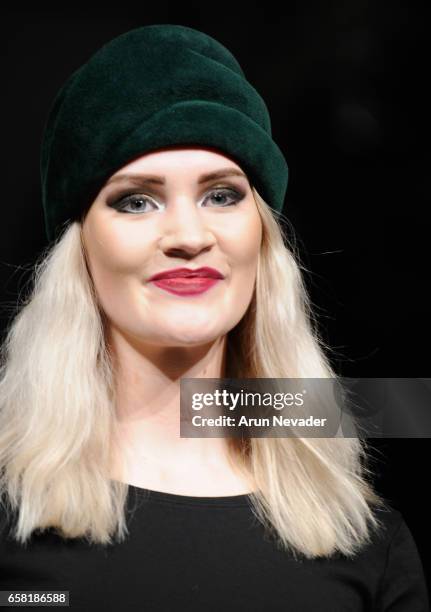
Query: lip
{"x": 199, "y": 273}
{"x": 186, "y": 286}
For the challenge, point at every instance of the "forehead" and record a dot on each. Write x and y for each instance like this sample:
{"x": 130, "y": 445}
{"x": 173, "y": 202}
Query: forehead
{"x": 190, "y": 158}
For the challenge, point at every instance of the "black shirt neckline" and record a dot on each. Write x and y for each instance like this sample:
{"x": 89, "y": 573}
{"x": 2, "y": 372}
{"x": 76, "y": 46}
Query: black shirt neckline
{"x": 194, "y": 500}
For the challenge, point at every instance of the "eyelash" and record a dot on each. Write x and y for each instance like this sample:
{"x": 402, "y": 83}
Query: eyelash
{"x": 127, "y": 197}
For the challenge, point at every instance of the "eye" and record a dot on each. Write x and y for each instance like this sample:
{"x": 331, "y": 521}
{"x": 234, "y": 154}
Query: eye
{"x": 132, "y": 200}
{"x": 225, "y": 193}
{"x": 137, "y": 202}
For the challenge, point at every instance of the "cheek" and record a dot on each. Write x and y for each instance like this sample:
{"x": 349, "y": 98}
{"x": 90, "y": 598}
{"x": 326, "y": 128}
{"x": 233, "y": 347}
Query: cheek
{"x": 111, "y": 251}
{"x": 243, "y": 250}
{"x": 113, "y": 263}
{"x": 242, "y": 242}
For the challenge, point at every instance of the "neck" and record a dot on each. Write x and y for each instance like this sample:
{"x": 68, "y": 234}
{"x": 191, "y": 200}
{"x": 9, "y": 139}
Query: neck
{"x": 148, "y": 403}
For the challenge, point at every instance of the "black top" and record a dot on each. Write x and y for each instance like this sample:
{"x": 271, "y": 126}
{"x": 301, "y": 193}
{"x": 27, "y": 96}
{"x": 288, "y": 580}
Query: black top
{"x": 211, "y": 554}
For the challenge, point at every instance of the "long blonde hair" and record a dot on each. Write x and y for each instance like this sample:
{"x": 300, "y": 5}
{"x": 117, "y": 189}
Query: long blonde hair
{"x": 58, "y": 421}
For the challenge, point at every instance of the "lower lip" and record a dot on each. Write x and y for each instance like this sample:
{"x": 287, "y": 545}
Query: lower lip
{"x": 186, "y": 286}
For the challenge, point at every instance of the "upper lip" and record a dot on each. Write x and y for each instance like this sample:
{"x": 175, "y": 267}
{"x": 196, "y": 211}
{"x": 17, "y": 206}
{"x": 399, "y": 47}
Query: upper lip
{"x": 188, "y": 272}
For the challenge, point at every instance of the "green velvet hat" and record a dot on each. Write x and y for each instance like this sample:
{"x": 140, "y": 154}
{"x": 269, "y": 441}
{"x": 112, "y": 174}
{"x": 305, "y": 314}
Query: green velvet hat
{"x": 151, "y": 87}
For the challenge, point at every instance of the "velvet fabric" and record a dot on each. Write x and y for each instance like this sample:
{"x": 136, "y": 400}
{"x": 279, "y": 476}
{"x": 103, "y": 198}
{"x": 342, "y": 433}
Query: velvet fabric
{"x": 154, "y": 86}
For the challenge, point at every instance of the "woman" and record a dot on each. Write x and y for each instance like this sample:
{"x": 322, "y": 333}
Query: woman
{"x": 101, "y": 496}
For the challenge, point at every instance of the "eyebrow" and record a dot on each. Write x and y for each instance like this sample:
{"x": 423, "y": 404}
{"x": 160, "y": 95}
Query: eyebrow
{"x": 142, "y": 179}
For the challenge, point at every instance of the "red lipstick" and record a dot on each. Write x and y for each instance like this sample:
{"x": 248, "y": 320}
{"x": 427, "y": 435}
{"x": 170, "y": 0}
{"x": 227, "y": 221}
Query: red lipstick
{"x": 186, "y": 281}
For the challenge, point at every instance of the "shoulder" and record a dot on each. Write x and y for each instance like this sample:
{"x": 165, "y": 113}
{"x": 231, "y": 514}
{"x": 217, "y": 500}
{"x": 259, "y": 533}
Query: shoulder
{"x": 389, "y": 521}
{"x": 402, "y": 584}
{"x": 392, "y": 535}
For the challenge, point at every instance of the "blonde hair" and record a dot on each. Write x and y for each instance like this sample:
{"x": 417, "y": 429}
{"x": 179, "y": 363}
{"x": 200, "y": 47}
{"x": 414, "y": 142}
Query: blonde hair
{"x": 58, "y": 422}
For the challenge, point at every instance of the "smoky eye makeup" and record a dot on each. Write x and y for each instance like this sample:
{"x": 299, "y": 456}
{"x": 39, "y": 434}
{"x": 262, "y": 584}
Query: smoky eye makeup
{"x": 119, "y": 195}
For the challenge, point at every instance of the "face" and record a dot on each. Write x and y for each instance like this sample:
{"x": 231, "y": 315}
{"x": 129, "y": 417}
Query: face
{"x": 136, "y": 229}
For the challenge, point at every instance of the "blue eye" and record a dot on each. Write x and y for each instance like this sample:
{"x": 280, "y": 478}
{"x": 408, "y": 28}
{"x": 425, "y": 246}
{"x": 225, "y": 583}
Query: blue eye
{"x": 132, "y": 199}
{"x": 226, "y": 193}
{"x": 141, "y": 200}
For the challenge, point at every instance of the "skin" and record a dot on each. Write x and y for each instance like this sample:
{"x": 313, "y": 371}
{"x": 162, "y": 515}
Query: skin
{"x": 157, "y": 338}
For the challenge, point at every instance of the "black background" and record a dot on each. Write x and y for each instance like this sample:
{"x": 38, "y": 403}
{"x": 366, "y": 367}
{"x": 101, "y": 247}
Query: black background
{"x": 345, "y": 84}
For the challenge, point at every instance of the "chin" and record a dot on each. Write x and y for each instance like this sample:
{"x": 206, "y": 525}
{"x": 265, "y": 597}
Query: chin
{"x": 191, "y": 340}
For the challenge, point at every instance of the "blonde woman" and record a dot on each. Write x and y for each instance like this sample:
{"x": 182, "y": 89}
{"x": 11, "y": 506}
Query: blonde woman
{"x": 157, "y": 160}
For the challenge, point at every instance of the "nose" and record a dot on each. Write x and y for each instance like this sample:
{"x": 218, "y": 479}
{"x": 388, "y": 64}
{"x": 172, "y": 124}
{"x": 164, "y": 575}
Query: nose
{"x": 185, "y": 229}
